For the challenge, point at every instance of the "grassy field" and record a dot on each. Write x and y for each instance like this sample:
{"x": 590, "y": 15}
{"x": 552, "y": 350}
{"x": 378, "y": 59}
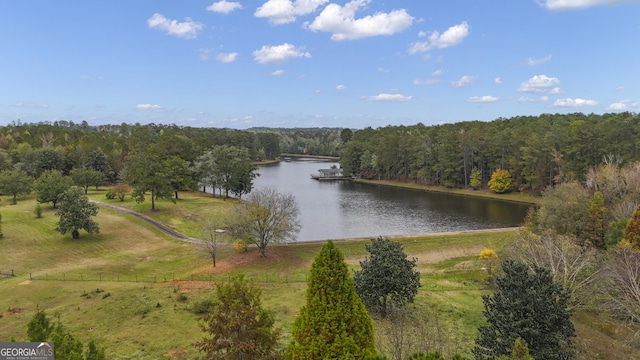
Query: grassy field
{"x": 134, "y": 289}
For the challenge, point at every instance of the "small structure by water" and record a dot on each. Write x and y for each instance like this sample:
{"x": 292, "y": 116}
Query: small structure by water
{"x": 333, "y": 173}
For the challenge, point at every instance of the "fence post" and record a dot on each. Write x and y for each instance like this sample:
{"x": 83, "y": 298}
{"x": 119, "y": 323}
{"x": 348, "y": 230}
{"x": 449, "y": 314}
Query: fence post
{"x": 30, "y": 278}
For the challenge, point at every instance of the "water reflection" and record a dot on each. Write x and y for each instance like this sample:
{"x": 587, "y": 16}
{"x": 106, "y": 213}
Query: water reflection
{"x": 342, "y": 209}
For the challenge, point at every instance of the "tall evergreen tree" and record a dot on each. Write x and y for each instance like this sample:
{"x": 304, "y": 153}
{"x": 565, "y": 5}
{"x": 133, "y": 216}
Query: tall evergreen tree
{"x": 334, "y": 324}
{"x": 530, "y": 306}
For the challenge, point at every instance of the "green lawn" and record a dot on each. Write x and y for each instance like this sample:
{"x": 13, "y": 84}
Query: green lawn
{"x": 132, "y": 288}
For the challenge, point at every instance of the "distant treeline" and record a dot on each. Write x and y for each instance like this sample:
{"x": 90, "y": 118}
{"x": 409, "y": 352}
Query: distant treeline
{"x": 537, "y": 150}
{"x": 65, "y": 145}
{"x": 307, "y": 141}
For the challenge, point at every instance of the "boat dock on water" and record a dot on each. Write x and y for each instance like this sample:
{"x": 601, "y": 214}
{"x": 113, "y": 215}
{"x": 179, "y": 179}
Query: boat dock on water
{"x": 334, "y": 173}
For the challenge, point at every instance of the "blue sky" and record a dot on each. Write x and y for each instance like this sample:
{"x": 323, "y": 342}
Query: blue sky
{"x": 314, "y": 63}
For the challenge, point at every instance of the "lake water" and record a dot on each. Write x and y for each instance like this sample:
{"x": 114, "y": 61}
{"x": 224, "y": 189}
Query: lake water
{"x": 345, "y": 209}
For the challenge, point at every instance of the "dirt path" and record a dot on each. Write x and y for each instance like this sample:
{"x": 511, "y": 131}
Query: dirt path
{"x": 158, "y": 225}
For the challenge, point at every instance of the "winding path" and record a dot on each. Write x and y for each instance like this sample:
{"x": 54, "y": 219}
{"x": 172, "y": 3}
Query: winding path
{"x": 158, "y": 225}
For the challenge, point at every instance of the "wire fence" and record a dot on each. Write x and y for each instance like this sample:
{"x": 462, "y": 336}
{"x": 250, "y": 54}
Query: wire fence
{"x": 6, "y": 274}
{"x": 163, "y": 278}
{"x": 432, "y": 285}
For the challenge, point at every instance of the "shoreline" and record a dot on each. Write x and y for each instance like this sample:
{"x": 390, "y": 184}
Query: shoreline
{"x": 407, "y": 236}
{"x": 510, "y": 197}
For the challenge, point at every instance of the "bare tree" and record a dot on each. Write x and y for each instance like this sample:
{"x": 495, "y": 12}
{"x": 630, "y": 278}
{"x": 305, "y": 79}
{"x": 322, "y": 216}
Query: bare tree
{"x": 571, "y": 265}
{"x": 266, "y": 216}
{"x": 620, "y": 285}
{"x": 409, "y": 330}
{"x": 210, "y": 233}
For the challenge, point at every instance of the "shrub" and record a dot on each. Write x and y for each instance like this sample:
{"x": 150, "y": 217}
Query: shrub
{"x": 241, "y": 245}
{"x": 38, "y": 211}
{"x": 110, "y": 194}
{"x": 202, "y": 307}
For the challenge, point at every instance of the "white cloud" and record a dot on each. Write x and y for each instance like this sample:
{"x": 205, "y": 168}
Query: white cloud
{"x": 227, "y": 57}
{"x": 224, "y": 6}
{"x": 32, "y": 105}
{"x": 205, "y": 54}
{"x": 425, "y": 82}
{"x": 285, "y": 11}
{"x": 568, "y": 102}
{"x": 422, "y": 33}
{"x": 624, "y": 105}
{"x": 538, "y": 83}
{"x": 534, "y": 62}
{"x": 341, "y": 87}
{"x": 497, "y": 80}
{"x": 279, "y": 53}
{"x": 578, "y": 4}
{"x": 383, "y": 70}
{"x": 188, "y": 29}
{"x": 148, "y": 107}
{"x": 619, "y": 88}
{"x": 388, "y": 97}
{"x": 464, "y": 81}
{"x": 451, "y": 37}
{"x": 438, "y": 72}
{"x": 341, "y": 22}
{"x": 278, "y": 73}
{"x": 482, "y": 99}
{"x": 528, "y": 99}
{"x": 556, "y": 90}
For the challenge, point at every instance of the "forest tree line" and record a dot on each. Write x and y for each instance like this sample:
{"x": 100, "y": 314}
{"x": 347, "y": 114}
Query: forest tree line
{"x": 538, "y": 151}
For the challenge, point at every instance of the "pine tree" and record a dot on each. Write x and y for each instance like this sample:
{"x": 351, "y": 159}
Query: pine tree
{"x": 527, "y": 305}
{"x": 333, "y": 324}
{"x": 38, "y": 328}
{"x": 594, "y": 232}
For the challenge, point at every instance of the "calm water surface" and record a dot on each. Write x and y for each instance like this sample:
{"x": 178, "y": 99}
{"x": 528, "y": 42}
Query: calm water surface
{"x": 343, "y": 209}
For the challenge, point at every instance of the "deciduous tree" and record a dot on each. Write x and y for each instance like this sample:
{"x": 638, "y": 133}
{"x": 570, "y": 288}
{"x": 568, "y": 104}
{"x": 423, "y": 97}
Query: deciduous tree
{"x": 76, "y": 213}
{"x": 236, "y": 326}
{"x": 632, "y": 231}
{"x": 15, "y": 183}
{"x": 87, "y": 177}
{"x": 333, "y": 323}
{"x": 501, "y": 181}
{"x": 387, "y": 277}
{"x": 50, "y": 185}
{"x": 148, "y": 172}
{"x": 490, "y": 259}
{"x": 529, "y": 305}
{"x": 266, "y": 216}
{"x": 573, "y": 266}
